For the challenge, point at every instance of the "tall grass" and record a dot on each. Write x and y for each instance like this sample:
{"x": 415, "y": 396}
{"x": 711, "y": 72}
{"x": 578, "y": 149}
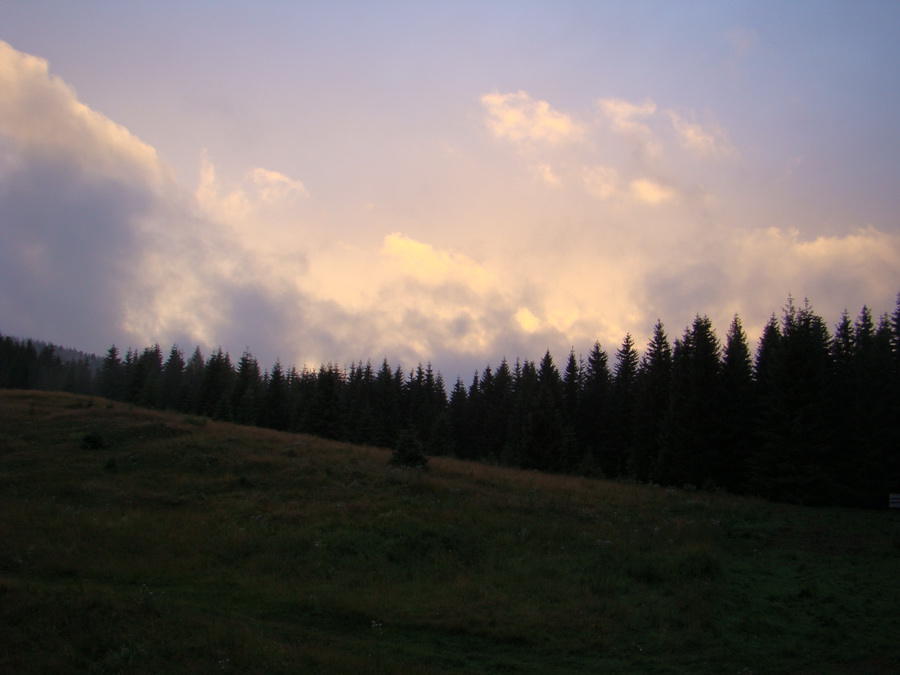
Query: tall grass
{"x": 178, "y": 546}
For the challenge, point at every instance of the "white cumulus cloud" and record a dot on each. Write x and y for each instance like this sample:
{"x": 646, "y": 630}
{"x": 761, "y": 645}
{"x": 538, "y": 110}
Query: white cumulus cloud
{"x": 519, "y": 117}
{"x": 703, "y": 141}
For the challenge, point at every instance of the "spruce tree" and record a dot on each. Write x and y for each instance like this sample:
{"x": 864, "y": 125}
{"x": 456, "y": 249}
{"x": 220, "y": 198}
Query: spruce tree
{"x": 149, "y": 377}
{"x": 276, "y": 410}
{"x": 866, "y": 473}
{"x": 691, "y": 447}
{"x": 246, "y": 395}
{"x": 193, "y": 383}
{"x": 614, "y": 459}
{"x": 738, "y": 411}
{"x": 592, "y": 429}
{"x": 651, "y": 403}
{"x": 111, "y": 376}
{"x": 522, "y": 449}
{"x": 795, "y": 460}
{"x": 173, "y": 379}
{"x": 458, "y": 417}
{"x": 361, "y": 423}
{"x": 388, "y": 412}
{"x": 215, "y": 387}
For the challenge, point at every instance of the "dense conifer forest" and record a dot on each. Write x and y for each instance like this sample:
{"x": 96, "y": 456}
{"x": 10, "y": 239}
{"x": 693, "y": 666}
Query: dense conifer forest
{"x": 812, "y": 417}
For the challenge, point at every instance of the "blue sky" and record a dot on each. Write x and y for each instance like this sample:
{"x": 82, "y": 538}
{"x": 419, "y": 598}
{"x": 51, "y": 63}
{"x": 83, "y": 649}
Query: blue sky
{"x": 445, "y": 182}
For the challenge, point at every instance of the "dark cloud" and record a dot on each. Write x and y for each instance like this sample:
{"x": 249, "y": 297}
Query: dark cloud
{"x": 67, "y": 249}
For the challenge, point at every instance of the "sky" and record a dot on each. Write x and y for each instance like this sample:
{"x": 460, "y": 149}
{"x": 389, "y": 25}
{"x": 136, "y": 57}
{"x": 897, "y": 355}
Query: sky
{"x": 444, "y": 182}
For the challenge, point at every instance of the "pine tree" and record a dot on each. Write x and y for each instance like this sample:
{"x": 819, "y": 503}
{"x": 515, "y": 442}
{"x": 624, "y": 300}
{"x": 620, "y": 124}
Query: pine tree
{"x": 276, "y": 411}
{"x": 193, "y": 383}
{"x": 246, "y": 396}
{"x": 326, "y": 406}
{"x": 149, "y": 377}
{"x": 522, "y": 449}
{"x": 572, "y": 387}
{"x": 173, "y": 379}
{"x": 458, "y": 417}
{"x": 795, "y": 461}
{"x": 49, "y": 373}
{"x": 738, "y": 410}
{"x": 361, "y": 423}
{"x": 499, "y": 406}
{"x": 615, "y": 458}
{"x": 425, "y": 402}
{"x": 111, "y": 376}
{"x": 692, "y": 432}
{"x": 542, "y": 442}
{"x": 215, "y": 388}
{"x": 592, "y": 429}
{"x": 77, "y": 376}
{"x": 869, "y": 472}
{"x": 388, "y": 396}
{"x": 651, "y": 403}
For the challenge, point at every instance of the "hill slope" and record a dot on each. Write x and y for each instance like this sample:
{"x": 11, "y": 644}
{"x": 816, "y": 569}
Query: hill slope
{"x": 143, "y": 542}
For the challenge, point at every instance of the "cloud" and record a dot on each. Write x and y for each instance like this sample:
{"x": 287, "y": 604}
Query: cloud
{"x": 751, "y": 272}
{"x": 518, "y": 117}
{"x": 527, "y": 320}
{"x": 78, "y": 195}
{"x": 705, "y": 142}
{"x": 625, "y": 117}
{"x": 273, "y": 185}
{"x": 98, "y": 244}
{"x": 633, "y": 122}
{"x": 601, "y": 182}
{"x": 433, "y": 267}
{"x": 651, "y": 192}
{"x": 40, "y": 116}
{"x": 547, "y": 175}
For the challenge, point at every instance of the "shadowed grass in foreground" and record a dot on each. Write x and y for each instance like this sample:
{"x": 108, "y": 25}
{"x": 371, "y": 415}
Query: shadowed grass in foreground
{"x": 145, "y": 542}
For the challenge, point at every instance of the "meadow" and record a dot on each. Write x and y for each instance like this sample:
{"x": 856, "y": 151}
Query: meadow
{"x": 138, "y": 541}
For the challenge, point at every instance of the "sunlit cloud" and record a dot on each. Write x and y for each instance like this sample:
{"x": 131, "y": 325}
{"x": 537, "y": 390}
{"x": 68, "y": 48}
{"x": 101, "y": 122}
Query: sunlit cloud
{"x": 632, "y": 121}
{"x": 626, "y": 117}
{"x": 431, "y": 266}
{"x": 601, "y": 182}
{"x": 518, "y": 117}
{"x": 751, "y": 272}
{"x": 273, "y": 185}
{"x": 99, "y": 244}
{"x": 232, "y": 206}
{"x": 547, "y": 175}
{"x": 527, "y": 320}
{"x": 651, "y": 192}
{"x": 703, "y": 141}
{"x": 41, "y": 115}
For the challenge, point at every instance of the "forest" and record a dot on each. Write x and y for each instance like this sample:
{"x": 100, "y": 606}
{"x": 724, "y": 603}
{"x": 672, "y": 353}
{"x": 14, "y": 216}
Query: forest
{"x": 811, "y": 417}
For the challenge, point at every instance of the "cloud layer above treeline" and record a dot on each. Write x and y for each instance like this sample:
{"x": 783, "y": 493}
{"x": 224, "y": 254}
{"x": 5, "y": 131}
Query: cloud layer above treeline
{"x": 569, "y": 226}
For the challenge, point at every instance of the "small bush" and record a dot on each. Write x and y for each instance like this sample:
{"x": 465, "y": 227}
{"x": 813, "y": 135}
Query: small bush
{"x": 408, "y": 450}
{"x": 92, "y": 441}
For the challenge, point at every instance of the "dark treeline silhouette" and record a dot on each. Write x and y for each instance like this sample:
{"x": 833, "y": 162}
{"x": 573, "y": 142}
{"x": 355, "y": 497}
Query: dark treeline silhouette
{"x": 813, "y": 417}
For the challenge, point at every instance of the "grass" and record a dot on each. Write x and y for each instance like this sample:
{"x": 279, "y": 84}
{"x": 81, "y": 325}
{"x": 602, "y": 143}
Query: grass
{"x": 144, "y": 542}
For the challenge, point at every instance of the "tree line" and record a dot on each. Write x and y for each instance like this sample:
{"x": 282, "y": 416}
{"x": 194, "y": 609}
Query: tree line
{"x": 811, "y": 417}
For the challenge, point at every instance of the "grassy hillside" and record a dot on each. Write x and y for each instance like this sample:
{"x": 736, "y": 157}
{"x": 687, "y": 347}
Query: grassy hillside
{"x": 147, "y": 542}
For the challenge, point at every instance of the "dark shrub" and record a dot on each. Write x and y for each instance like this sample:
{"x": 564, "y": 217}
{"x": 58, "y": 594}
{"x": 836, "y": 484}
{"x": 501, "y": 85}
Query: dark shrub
{"x": 408, "y": 450}
{"x": 92, "y": 441}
